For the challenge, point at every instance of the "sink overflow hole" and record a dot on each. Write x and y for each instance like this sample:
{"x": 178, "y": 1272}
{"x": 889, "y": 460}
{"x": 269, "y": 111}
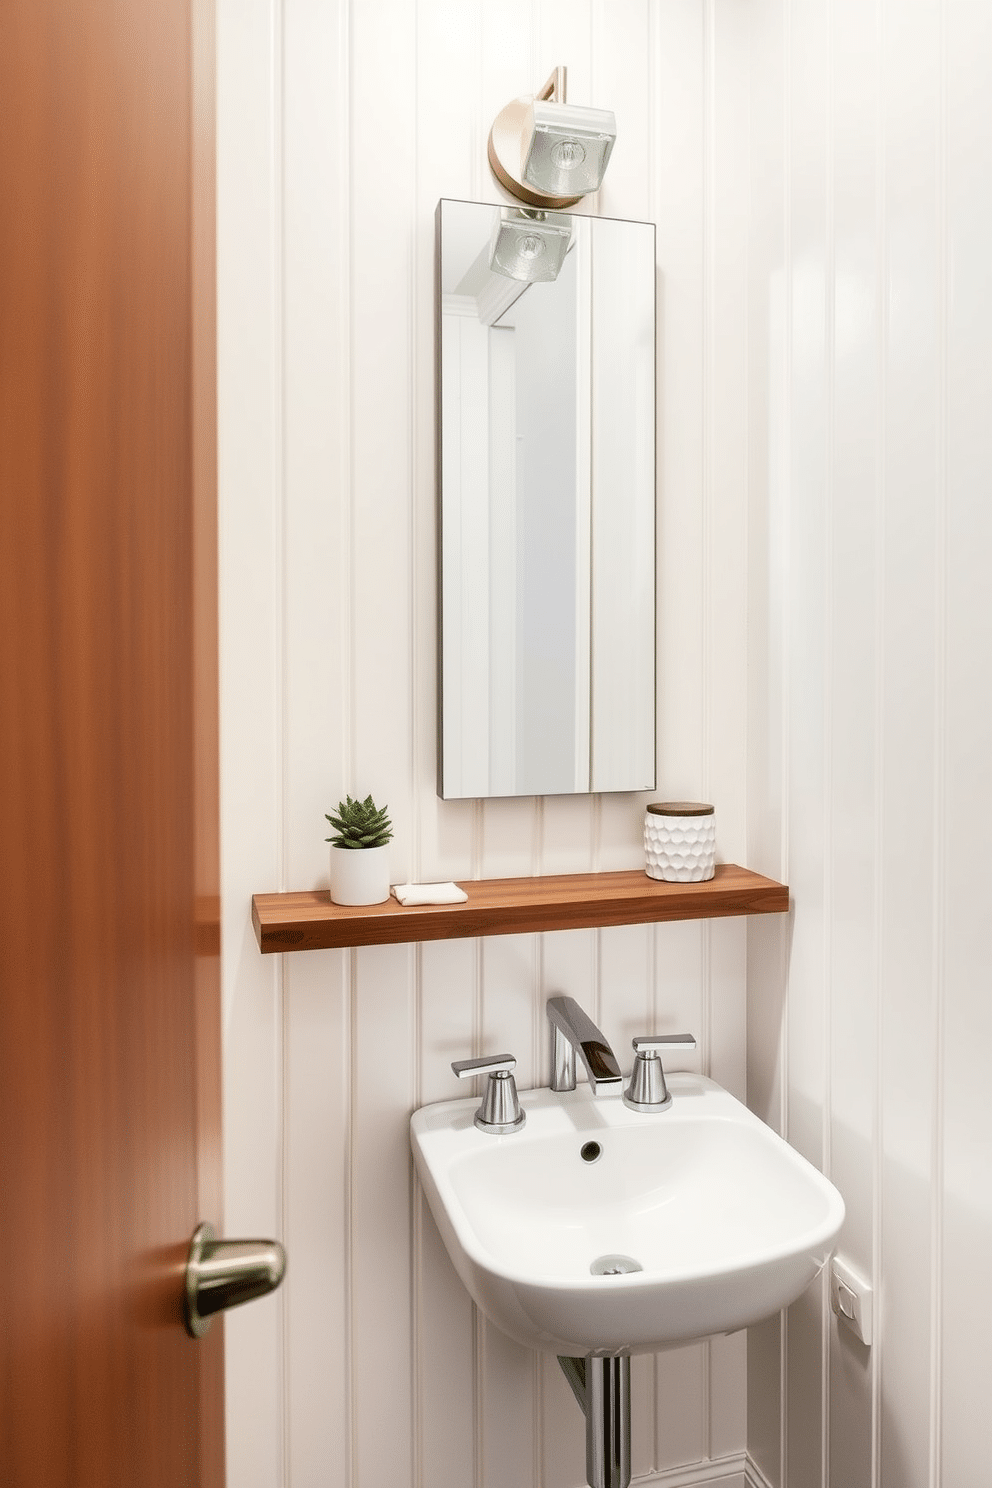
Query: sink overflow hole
{"x": 590, "y": 1152}
{"x": 614, "y": 1265}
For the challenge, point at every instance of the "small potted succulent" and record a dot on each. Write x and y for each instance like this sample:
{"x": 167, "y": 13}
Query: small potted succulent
{"x": 359, "y": 852}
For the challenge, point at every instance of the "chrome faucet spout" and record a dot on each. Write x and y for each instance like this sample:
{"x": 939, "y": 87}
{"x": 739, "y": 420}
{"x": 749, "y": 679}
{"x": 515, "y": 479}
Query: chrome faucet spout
{"x": 574, "y": 1032}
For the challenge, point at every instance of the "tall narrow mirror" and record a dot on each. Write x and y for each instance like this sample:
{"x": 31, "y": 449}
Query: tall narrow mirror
{"x": 546, "y": 445}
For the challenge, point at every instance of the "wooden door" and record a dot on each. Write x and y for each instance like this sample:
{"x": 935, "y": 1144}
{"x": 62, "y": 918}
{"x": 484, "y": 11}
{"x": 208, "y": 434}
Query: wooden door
{"x": 109, "y": 1026}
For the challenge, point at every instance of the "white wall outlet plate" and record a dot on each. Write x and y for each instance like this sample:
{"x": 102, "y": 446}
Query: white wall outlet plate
{"x": 851, "y": 1299}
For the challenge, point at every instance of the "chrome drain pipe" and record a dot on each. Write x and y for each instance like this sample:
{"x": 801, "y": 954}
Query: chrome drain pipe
{"x": 602, "y": 1389}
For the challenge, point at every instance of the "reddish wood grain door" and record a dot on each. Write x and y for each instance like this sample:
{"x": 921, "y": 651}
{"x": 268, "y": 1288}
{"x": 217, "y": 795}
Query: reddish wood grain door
{"x": 109, "y": 1025}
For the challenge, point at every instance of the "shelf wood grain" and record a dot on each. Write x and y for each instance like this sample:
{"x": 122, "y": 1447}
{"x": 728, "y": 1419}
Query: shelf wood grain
{"x": 308, "y": 921}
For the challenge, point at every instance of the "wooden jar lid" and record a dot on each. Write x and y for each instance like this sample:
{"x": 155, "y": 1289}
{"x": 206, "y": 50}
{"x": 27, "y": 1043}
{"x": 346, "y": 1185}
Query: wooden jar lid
{"x": 680, "y": 808}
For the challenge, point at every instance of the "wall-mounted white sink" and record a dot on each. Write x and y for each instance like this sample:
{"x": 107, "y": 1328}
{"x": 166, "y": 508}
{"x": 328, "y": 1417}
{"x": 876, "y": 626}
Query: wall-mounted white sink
{"x": 726, "y": 1222}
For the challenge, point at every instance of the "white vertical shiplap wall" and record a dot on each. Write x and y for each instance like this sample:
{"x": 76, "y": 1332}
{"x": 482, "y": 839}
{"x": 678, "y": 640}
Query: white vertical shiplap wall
{"x": 340, "y": 126}
{"x": 871, "y": 719}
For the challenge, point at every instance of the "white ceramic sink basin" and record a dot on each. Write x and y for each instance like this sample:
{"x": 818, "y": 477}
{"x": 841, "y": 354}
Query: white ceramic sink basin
{"x": 726, "y": 1221}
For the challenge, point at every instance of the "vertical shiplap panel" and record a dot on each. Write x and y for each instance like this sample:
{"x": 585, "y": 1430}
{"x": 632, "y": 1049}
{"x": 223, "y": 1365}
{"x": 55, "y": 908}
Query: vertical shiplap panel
{"x": 444, "y": 1316}
{"x": 681, "y": 1424}
{"x": 450, "y": 146}
{"x": 724, "y": 1017}
{"x": 254, "y": 1374}
{"x": 566, "y": 835}
{"x": 626, "y": 966}
{"x": 626, "y": 1008}
{"x": 624, "y": 80}
{"x": 316, "y": 675}
{"x": 765, "y": 1371}
{"x": 679, "y": 194}
{"x": 726, "y": 1042}
{"x": 508, "y": 1439}
{"x": 768, "y": 941}
{"x": 568, "y": 964}
{"x": 911, "y": 46}
{"x": 680, "y": 998}
{"x": 727, "y": 1396}
{"x": 449, "y": 65}
{"x": 643, "y": 1398}
{"x": 854, "y": 722}
{"x": 510, "y": 837}
{"x": 449, "y": 1023}
{"x": 383, "y": 1075}
{"x": 680, "y": 994}
{"x": 725, "y": 510}
{"x": 314, "y": 394}
{"x": 768, "y": 449}
{"x": 768, "y": 662}
{"x": 317, "y": 1226}
{"x": 508, "y": 64}
{"x": 563, "y": 1429}
{"x": 964, "y": 1141}
{"x": 808, "y": 553}
{"x": 250, "y": 527}
{"x": 509, "y": 830}
{"x": 382, "y": 263}
{"x": 509, "y": 1373}
{"x": 383, "y": 682}
{"x": 509, "y": 974}
{"x": 563, "y": 36}
{"x": 811, "y": 306}
{"x": 446, "y": 1440}
{"x": 725, "y": 468}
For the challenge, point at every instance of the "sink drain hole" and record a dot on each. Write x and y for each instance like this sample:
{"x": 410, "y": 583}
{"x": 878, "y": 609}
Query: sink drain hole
{"x": 614, "y": 1265}
{"x": 590, "y": 1152}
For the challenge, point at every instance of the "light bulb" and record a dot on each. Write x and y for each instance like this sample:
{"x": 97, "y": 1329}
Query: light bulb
{"x": 568, "y": 154}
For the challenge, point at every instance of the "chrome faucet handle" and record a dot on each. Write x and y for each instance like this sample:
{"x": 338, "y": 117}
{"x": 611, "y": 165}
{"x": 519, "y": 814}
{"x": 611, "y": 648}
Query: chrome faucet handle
{"x": 648, "y": 1090}
{"x": 659, "y": 1042}
{"x": 500, "y": 1111}
{"x": 488, "y": 1064}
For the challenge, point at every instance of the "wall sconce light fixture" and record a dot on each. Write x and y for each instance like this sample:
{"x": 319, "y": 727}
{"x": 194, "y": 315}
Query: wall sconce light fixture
{"x": 528, "y": 244}
{"x": 547, "y": 152}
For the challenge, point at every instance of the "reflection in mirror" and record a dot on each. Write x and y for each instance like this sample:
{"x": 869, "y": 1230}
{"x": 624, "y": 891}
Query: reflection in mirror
{"x": 547, "y": 511}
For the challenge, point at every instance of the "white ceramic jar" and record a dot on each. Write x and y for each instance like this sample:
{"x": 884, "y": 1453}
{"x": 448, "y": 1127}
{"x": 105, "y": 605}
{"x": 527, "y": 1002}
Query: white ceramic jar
{"x": 680, "y": 841}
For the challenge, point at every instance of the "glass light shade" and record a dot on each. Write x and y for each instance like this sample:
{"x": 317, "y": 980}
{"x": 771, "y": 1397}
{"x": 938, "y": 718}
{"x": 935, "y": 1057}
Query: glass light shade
{"x": 529, "y": 248}
{"x": 565, "y": 148}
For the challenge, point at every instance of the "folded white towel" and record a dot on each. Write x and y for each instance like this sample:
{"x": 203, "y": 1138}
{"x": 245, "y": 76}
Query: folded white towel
{"x": 436, "y": 893}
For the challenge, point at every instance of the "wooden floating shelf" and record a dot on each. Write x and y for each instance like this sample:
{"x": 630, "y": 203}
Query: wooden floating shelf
{"x": 308, "y": 921}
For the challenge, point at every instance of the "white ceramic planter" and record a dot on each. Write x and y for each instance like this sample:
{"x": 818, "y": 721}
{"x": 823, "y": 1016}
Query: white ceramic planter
{"x": 359, "y": 875}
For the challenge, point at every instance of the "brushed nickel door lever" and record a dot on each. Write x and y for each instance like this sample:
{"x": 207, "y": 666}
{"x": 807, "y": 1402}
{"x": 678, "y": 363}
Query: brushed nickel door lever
{"x": 225, "y": 1273}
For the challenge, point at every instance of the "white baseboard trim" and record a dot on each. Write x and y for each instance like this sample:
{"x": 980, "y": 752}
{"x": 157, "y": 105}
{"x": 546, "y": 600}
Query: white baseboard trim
{"x": 736, "y": 1471}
